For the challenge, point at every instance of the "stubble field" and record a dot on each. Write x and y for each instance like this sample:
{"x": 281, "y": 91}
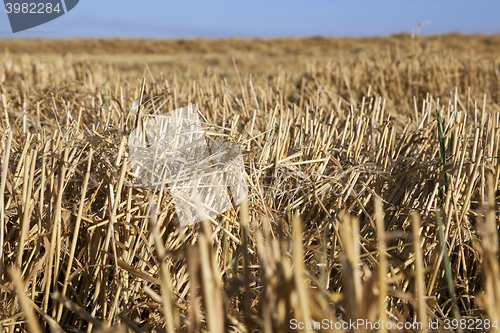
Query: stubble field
{"x": 373, "y": 186}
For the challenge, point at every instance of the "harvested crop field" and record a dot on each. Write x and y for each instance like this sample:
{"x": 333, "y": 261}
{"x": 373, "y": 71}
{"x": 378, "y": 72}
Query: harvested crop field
{"x": 373, "y": 186}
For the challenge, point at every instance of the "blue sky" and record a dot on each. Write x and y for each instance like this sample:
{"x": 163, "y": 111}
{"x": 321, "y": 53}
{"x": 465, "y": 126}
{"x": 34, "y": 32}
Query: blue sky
{"x": 257, "y": 18}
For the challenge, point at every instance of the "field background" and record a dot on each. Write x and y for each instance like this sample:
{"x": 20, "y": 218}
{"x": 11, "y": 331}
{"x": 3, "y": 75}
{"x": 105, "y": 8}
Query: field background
{"x": 364, "y": 202}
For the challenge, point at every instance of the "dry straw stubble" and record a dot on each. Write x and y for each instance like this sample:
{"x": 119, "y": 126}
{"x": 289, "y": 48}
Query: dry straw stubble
{"x": 332, "y": 136}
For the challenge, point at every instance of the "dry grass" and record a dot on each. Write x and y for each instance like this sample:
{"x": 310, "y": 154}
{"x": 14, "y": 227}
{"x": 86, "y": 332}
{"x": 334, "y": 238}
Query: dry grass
{"x": 373, "y": 168}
